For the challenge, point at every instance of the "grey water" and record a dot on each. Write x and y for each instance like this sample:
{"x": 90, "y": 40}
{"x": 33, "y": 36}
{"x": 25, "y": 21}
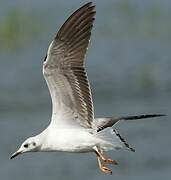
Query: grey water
{"x": 129, "y": 68}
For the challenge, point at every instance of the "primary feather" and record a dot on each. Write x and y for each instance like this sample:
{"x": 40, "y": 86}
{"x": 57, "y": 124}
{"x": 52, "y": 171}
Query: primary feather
{"x": 64, "y": 68}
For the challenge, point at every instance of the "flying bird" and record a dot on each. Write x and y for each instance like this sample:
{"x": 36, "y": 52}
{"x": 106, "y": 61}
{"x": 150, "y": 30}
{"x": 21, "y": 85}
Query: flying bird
{"x": 73, "y": 127}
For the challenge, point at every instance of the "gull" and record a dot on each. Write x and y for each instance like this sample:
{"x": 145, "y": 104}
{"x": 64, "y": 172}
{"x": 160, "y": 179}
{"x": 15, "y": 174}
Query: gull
{"x": 73, "y": 127}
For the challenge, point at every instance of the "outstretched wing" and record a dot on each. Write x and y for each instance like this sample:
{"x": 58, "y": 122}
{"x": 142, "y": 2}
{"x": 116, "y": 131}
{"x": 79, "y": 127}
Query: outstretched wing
{"x": 64, "y": 70}
{"x": 102, "y": 123}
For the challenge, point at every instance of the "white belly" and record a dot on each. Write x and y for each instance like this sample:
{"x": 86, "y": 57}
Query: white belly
{"x": 71, "y": 140}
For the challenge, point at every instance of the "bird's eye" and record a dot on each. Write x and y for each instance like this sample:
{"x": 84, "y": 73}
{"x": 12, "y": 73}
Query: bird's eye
{"x": 26, "y": 145}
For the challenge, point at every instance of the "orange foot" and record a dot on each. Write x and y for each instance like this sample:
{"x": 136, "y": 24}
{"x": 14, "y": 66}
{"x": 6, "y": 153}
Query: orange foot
{"x": 106, "y": 170}
{"x": 111, "y": 161}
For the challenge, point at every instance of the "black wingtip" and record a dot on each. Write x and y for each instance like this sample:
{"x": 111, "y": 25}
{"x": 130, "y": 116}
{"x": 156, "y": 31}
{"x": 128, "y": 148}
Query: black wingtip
{"x": 144, "y": 116}
{"x": 154, "y": 115}
{"x": 88, "y": 4}
{"x": 132, "y": 149}
{"x": 162, "y": 114}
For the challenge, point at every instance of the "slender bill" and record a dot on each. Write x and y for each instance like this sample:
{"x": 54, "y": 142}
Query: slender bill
{"x": 16, "y": 154}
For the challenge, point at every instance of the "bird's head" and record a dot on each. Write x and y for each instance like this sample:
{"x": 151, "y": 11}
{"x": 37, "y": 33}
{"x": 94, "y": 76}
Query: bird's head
{"x": 30, "y": 144}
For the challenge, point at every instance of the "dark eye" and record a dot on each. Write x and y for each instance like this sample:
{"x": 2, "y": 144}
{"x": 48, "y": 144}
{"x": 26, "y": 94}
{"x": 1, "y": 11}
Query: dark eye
{"x": 34, "y": 144}
{"x": 26, "y": 145}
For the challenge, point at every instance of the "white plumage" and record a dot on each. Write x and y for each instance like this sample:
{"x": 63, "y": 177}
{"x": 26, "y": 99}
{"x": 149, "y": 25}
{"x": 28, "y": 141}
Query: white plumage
{"x": 73, "y": 127}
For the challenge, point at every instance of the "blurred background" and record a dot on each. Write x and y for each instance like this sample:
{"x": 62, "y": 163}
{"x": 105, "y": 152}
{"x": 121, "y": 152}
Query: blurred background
{"x": 129, "y": 68}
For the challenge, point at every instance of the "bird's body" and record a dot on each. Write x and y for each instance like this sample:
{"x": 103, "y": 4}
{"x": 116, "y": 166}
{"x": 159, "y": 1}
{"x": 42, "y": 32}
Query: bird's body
{"x": 70, "y": 140}
{"x": 73, "y": 127}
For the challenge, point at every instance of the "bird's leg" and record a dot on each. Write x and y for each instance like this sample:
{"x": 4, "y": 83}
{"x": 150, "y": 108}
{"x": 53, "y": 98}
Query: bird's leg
{"x": 108, "y": 160}
{"x": 102, "y": 166}
{"x": 104, "y": 157}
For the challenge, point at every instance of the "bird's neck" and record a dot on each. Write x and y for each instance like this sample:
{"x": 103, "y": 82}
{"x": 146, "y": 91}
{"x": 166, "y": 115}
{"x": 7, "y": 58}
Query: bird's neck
{"x": 42, "y": 141}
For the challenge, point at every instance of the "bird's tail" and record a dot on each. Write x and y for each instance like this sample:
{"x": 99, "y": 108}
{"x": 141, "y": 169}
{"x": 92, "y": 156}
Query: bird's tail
{"x": 113, "y": 140}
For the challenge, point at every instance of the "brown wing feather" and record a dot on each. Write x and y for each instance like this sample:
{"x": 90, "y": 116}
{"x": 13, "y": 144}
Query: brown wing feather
{"x": 66, "y": 55}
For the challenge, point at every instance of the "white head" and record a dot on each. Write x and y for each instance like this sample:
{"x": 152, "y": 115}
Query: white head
{"x": 30, "y": 144}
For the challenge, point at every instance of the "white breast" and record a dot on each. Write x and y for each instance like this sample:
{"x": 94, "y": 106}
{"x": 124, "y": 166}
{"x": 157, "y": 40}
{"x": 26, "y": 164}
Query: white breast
{"x": 69, "y": 140}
